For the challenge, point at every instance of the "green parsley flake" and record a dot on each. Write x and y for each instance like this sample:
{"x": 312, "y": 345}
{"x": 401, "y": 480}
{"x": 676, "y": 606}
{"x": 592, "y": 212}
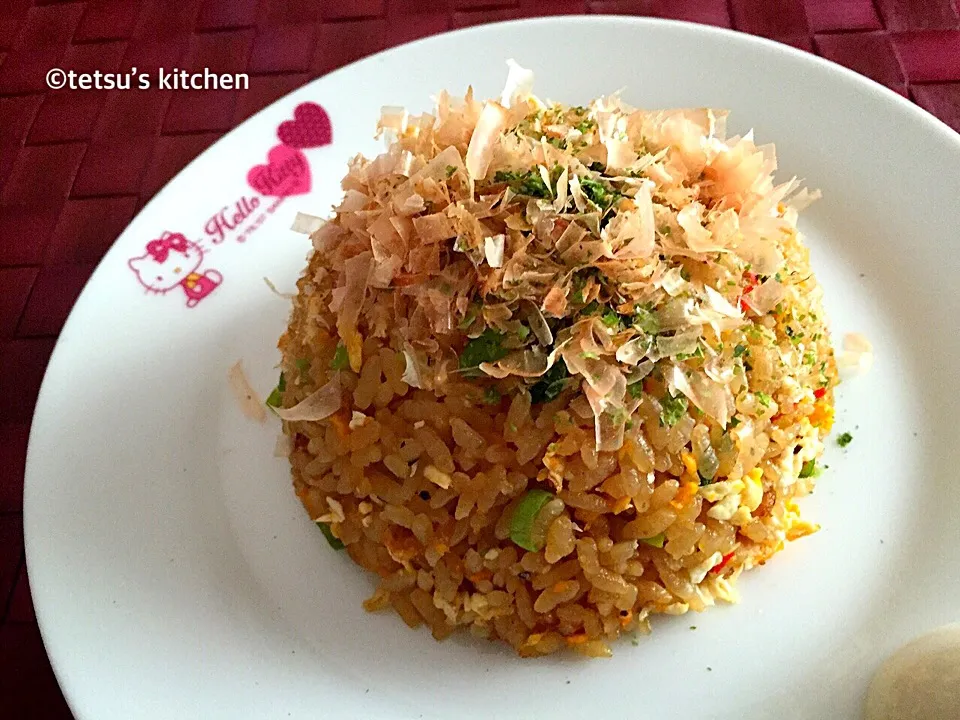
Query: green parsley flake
{"x": 486, "y": 348}
{"x": 491, "y": 396}
{"x": 529, "y": 183}
{"x": 763, "y": 398}
{"x": 844, "y": 439}
{"x": 673, "y": 408}
{"x": 610, "y": 318}
{"x": 341, "y": 358}
{"x": 551, "y": 384}
{"x": 645, "y": 319}
{"x": 808, "y": 469}
{"x": 739, "y": 350}
{"x": 598, "y": 193}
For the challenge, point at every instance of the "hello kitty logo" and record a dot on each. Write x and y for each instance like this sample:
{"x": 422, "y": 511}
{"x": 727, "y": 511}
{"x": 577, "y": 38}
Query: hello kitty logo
{"x": 173, "y": 261}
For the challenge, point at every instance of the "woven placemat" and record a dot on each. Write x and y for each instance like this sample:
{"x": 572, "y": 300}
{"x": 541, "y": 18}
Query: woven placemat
{"x": 75, "y": 167}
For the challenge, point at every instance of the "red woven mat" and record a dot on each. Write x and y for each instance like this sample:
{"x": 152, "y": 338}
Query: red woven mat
{"x": 76, "y": 166}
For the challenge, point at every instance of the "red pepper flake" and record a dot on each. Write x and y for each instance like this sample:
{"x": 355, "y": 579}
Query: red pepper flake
{"x": 819, "y": 393}
{"x": 723, "y": 562}
{"x": 751, "y": 279}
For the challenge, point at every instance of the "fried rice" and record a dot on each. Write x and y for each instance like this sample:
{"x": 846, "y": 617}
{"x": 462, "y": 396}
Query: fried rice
{"x": 551, "y": 370}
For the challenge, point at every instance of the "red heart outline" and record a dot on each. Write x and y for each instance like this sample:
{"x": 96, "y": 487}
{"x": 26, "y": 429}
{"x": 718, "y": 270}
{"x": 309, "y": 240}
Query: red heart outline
{"x": 309, "y": 128}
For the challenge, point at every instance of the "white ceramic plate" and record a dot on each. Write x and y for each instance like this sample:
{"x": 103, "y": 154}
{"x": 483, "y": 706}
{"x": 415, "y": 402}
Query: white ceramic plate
{"x": 175, "y": 574}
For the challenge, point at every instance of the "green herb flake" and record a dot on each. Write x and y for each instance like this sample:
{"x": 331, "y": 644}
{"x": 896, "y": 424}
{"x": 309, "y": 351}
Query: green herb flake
{"x": 763, "y": 398}
{"x": 635, "y": 390}
{"x": 451, "y": 169}
{"x": 808, "y": 469}
{"x": 844, "y": 439}
{"x": 335, "y": 542}
{"x": 610, "y": 318}
{"x": 645, "y": 319}
{"x": 523, "y": 332}
{"x": 585, "y": 126}
{"x": 491, "y": 396}
{"x": 739, "y": 350}
{"x": 486, "y": 348}
{"x": 734, "y": 421}
{"x": 598, "y": 193}
{"x": 550, "y": 384}
{"x": 529, "y": 183}
{"x": 673, "y": 408}
{"x": 341, "y": 358}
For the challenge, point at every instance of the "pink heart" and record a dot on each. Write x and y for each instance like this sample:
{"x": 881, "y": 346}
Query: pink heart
{"x": 309, "y": 128}
{"x": 286, "y": 173}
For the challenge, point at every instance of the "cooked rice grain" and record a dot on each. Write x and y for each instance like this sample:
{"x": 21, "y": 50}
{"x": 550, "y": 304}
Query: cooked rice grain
{"x": 421, "y": 483}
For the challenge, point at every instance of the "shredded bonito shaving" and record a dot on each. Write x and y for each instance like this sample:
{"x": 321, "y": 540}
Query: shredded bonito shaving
{"x": 250, "y": 403}
{"x": 640, "y": 238}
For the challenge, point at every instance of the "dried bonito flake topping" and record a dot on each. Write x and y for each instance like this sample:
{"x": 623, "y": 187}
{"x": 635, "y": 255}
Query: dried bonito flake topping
{"x": 633, "y": 257}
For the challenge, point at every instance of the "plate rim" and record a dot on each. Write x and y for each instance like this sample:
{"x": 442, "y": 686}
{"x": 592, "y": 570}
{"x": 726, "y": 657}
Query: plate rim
{"x": 45, "y": 609}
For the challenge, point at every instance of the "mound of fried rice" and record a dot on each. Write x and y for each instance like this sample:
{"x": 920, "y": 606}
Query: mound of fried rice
{"x": 551, "y": 370}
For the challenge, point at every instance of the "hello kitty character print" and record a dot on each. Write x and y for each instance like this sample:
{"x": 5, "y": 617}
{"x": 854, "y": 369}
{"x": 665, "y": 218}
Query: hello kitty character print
{"x": 172, "y": 261}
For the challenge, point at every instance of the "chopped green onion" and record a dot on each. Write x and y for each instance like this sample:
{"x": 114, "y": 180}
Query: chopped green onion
{"x": 655, "y": 541}
{"x": 763, "y": 398}
{"x": 341, "y": 358}
{"x": 808, "y": 469}
{"x": 704, "y": 481}
{"x": 532, "y": 517}
{"x": 739, "y": 350}
{"x": 844, "y": 439}
{"x": 275, "y": 398}
{"x": 635, "y": 389}
{"x": 335, "y": 542}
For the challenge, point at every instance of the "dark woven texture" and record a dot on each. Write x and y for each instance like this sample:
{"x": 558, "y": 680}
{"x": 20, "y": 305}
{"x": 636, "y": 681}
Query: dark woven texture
{"x": 75, "y": 167}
